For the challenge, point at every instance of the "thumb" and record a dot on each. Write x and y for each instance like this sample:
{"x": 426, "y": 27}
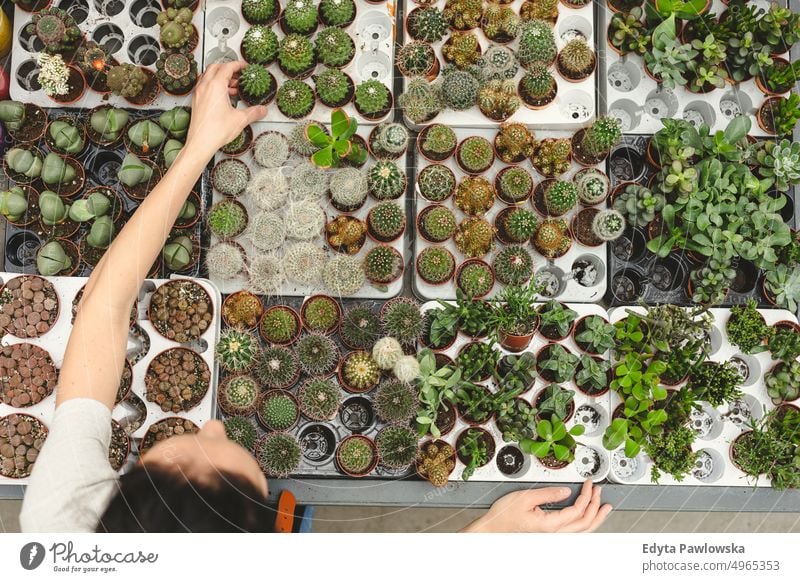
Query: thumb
{"x": 255, "y": 113}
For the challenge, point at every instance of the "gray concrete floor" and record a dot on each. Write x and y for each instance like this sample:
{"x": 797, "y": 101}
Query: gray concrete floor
{"x": 399, "y": 519}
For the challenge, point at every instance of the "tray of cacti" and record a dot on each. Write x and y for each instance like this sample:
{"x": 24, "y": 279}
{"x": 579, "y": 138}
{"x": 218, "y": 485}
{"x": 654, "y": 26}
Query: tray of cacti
{"x": 515, "y": 390}
{"x": 76, "y": 176}
{"x": 496, "y": 207}
{"x": 321, "y": 387}
{"x": 85, "y": 54}
{"x": 691, "y": 240}
{"x": 309, "y": 57}
{"x": 475, "y": 64}
{"x": 705, "y": 62}
{"x": 36, "y": 317}
{"x": 705, "y": 397}
{"x": 310, "y": 208}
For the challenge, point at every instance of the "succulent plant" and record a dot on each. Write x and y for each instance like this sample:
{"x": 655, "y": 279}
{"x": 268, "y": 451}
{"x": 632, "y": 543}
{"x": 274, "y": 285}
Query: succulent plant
{"x": 536, "y": 43}
{"x": 65, "y": 136}
{"x": 386, "y": 352}
{"x": 421, "y": 101}
{"x": 497, "y": 63}
{"x": 27, "y": 163}
{"x": 552, "y": 156}
{"x": 225, "y": 261}
{"x": 474, "y": 237}
{"x": 356, "y": 455}
{"x": 256, "y": 84}
{"x": 176, "y": 27}
{"x": 426, "y": 24}
{"x": 500, "y": 22}
{"x": 343, "y": 275}
{"x": 295, "y": 99}
{"x": 318, "y": 354}
{"x": 552, "y": 238}
{"x": 474, "y": 196}
{"x": 514, "y": 184}
{"x": 51, "y": 259}
{"x": 638, "y": 204}
{"x": 386, "y": 220}
{"x": 783, "y": 382}
{"x": 436, "y": 462}
{"x": 172, "y": 148}
{"x": 238, "y": 394}
{"x": 300, "y": 16}
{"x": 498, "y": 99}
{"x": 608, "y": 225}
{"x": 475, "y": 154}
{"x": 13, "y": 204}
{"x": 146, "y": 135}
{"x": 319, "y": 399}
{"x": 271, "y": 150}
{"x": 438, "y": 223}
{"x": 52, "y": 209}
{"x": 520, "y": 224}
{"x": 780, "y": 161}
{"x": 237, "y": 351}
{"x": 242, "y": 431}
{"x": 320, "y": 314}
{"x": 513, "y": 265}
{"x": 401, "y": 319}
{"x": 601, "y": 136}
{"x": 360, "y": 327}
{"x": 56, "y": 170}
{"x": 397, "y": 446}
{"x": 108, "y": 122}
{"x": 277, "y": 367}
{"x": 268, "y": 189}
{"x": 386, "y": 181}
{"x": 538, "y": 85}
{"x": 514, "y": 142}
{"x": 303, "y": 263}
{"x": 230, "y": 177}
{"x": 360, "y": 372}
{"x": 279, "y": 325}
{"x": 462, "y": 49}
{"x": 334, "y": 47}
{"x": 178, "y": 253}
{"x": 56, "y": 29}
{"x": 346, "y": 234}
{"x": 395, "y": 402}
{"x": 438, "y": 141}
{"x": 296, "y": 55}
{"x": 260, "y": 11}
{"x": 101, "y": 233}
{"x": 593, "y": 185}
{"x": 546, "y": 10}
{"x": 127, "y": 80}
{"x": 278, "y": 454}
{"x": 436, "y": 182}
{"x": 175, "y": 122}
{"x": 407, "y": 369}
{"x": 560, "y": 197}
{"x": 459, "y": 89}
{"x": 436, "y": 264}
{"x": 382, "y": 264}
{"x": 475, "y": 279}
{"x": 337, "y": 12}
{"x": 333, "y": 87}
{"x": 390, "y": 139}
{"x": 372, "y": 97}
{"x": 576, "y": 59}
{"x": 260, "y": 45}
{"x": 265, "y": 274}
{"x": 278, "y": 410}
{"x": 227, "y": 219}
{"x": 463, "y": 14}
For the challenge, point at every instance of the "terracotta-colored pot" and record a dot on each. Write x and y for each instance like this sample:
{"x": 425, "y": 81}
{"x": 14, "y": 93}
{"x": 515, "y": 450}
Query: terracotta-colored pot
{"x": 296, "y": 318}
{"x": 271, "y": 394}
{"x": 333, "y": 301}
{"x": 372, "y": 465}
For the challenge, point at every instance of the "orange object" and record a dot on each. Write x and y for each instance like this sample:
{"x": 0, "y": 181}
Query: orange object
{"x": 5, "y": 34}
{"x": 285, "y": 518}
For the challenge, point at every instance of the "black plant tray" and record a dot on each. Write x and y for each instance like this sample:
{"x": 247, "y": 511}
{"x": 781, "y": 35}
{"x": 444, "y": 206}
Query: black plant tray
{"x": 313, "y": 434}
{"x": 654, "y": 280}
{"x": 100, "y": 164}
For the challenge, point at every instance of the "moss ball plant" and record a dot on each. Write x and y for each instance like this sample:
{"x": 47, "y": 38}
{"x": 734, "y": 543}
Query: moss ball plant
{"x": 319, "y": 399}
{"x": 436, "y": 265}
{"x": 237, "y": 351}
{"x": 278, "y": 410}
{"x": 238, "y": 395}
{"x": 277, "y": 367}
{"x": 395, "y": 402}
{"x": 436, "y": 182}
{"x": 280, "y": 325}
{"x": 242, "y": 431}
{"x": 360, "y": 328}
{"x": 402, "y": 319}
{"x": 397, "y": 446}
{"x": 278, "y": 454}
{"x": 227, "y": 219}
{"x": 318, "y": 354}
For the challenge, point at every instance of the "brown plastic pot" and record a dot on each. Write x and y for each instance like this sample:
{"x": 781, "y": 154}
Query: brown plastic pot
{"x": 468, "y": 171}
{"x": 140, "y": 191}
{"x": 485, "y": 436}
{"x": 764, "y": 122}
{"x": 296, "y": 318}
{"x": 732, "y": 450}
{"x": 271, "y": 394}
{"x": 338, "y": 307}
{"x": 526, "y": 99}
{"x": 515, "y": 343}
{"x": 424, "y": 447}
{"x": 373, "y": 463}
{"x": 499, "y": 191}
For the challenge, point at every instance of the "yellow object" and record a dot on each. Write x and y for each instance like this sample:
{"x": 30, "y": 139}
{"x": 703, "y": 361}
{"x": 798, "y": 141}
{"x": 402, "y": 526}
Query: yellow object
{"x": 5, "y": 34}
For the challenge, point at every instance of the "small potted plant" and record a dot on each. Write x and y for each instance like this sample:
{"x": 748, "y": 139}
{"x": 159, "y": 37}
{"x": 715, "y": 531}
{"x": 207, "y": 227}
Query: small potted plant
{"x": 779, "y": 115}
{"x": 537, "y": 88}
{"x": 25, "y": 122}
{"x": 319, "y": 399}
{"x": 16, "y": 462}
{"x": 592, "y": 375}
{"x": 277, "y": 368}
{"x": 242, "y": 309}
{"x": 346, "y": 234}
{"x": 17, "y": 205}
{"x": 498, "y": 99}
{"x": 513, "y": 265}
{"x": 144, "y": 138}
{"x": 537, "y": 44}
{"x": 23, "y": 164}
{"x": 137, "y": 85}
{"x": 436, "y": 223}
{"x": 557, "y": 320}
{"x": 435, "y": 265}
{"x": 242, "y": 431}
{"x": 260, "y": 11}
{"x": 337, "y": 12}
{"x": 260, "y": 45}
{"x": 360, "y": 328}
{"x": 553, "y": 238}
{"x": 334, "y": 88}
{"x": 230, "y": 177}
{"x": 278, "y": 410}
{"x": 747, "y": 329}
{"x": 66, "y": 136}
{"x": 555, "y": 363}
{"x": 280, "y": 325}
{"x": 238, "y": 395}
{"x": 176, "y": 29}
{"x": 500, "y": 23}
{"x": 65, "y": 176}
{"x": 474, "y": 196}
{"x": 594, "y": 335}
{"x": 397, "y": 447}
{"x": 462, "y": 49}
{"x": 474, "y": 237}
{"x": 576, "y": 61}
{"x": 475, "y": 278}
{"x": 437, "y": 142}
{"x": 321, "y": 314}
{"x": 554, "y": 445}
{"x": 515, "y": 225}
{"x": 388, "y": 141}
{"x": 237, "y": 351}
{"x": 63, "y": 83}
{"x": 176, "y": 71}
{"x": 106, "y": 125}
{"x": 593, "y": 186}
{"x": 513, "y": 143}
{"x": 386, "y": 222}
{"x": 334, "y": 47}
{"x": 386, "y": 180}
{"x": 591, "y": 146}
{"x": 356, "y": 456}
{"x": 552, "y": 156}
{"x": 436, "y": 182}
{"x": 475, "y": 155}
{"x": 373, "y": 100}
{"x": 299, "y": 17}
{"x": 437, "y": 460}
{"x": 418, "y": 59}
{"x": 138, "y": 176}
{"x": 426, "y": 24}
{"x": 475, "y": 448}
{"x": 395, "y": 402}
{"x": 383, "y": 264}
{"x": 401, "y": 319}
{"x": 278, "y": 454}
{"x": 177, "y": 380}
{"x": 477, "y": 361}
{"x": 515, "y": 316}
{"x": 181, "y": 310}
{"x": 784, "y": 343}
{"x": 257, "y": 86}
{"x": 227, "y": 219}
{"x": 358, "y": 372}
{"x": 58, "y": 257}
{"x": 295, "y": 99}
{"x": 783, "y": 382}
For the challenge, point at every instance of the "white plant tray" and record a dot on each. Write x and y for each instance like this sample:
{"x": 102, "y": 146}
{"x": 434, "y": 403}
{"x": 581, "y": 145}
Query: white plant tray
{"x": 633, "y": 97}
{"x": 533, "y": 470}
{"x": 367, "y": 291}
{"x": 572, "y": 290}
{"x": 102, "y": 21}
{"x": 716, "y": 440}
{"x": 575, "y": 102}
{"x": 55, "y": 342}
{"x": 373, "y": 32}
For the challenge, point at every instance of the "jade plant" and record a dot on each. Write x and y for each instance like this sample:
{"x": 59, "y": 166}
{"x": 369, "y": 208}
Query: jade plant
{"x": 334, "y": 146}
{"x": 553, "y": 440}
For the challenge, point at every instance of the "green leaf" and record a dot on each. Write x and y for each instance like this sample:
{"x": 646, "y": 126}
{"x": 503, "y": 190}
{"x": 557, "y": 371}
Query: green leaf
{"x": 424, "y": 420}
{"x": 739, "y": 126}
{"x": 544, "y": 429}
{"x": 317, "y": 136}
{"x": 577, "y": 430}
{"x": 340, "y": 123}
{"x": 323, "y": 158}
{"x": 632, "y": 448}
{"x": 615, "y": 434}
{"x": 561, "y": 452}
{"x": 559, "y": 431}
{"x": 540, "y": 449}
{"x": 342, "y": 148}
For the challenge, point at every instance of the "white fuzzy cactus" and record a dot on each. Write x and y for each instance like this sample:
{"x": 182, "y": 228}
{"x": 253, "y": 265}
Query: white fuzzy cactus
{"x": 271, "y": 149}
{"x": 343, "y": 275}
{"x": 267, "y": 231}
{"x": 386, "y": 352}
{"x": 304, "y": 220}
{"x": 349, "y": 187}
{"x": 406, "y": 369}
{"x": 608, "y": 225}
{"x": 268, "y": 189}
{"x": 265, "y": 274}
{"x": 303, "y": 263}
{"x": 225, "y": 261}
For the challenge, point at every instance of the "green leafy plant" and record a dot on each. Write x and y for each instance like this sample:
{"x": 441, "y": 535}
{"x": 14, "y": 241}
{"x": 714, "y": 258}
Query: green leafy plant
{"x": 783, "y": 382}
{"x": 746, "y": 328}
{"x": 335, "y": 146}
{"x": 477, "y": 360}
{"x": 553, "y": 440}
{"x": 672, "y": 453}
{"x": 716, "y": 382}
{"x": 784, "y": 345}
{"x": 559, "y": 362}
{"x": 592, "y": 375}
{"x": 474, "y": 451}
{"x": 556, "y": 318}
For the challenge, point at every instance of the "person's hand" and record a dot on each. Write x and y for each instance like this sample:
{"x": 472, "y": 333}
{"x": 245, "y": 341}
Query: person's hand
{"x": 215, "y": 122}
{"x": 521, "y": 512}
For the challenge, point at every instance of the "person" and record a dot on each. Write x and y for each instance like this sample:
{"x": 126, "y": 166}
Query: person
{"x": 202, "y": 482}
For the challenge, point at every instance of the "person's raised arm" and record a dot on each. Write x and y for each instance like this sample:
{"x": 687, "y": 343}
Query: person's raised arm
{"x": 97, "y": 346}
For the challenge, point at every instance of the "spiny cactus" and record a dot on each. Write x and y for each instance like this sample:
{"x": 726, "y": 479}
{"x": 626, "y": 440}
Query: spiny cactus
{"x": 436, "y": 462}
{"x": 576, "y": 59}
{"x": 539, "y": 10}
{"x": 225, "y": 261}
{"x": 498, "y": 99}
{"x": 372, "y": 97}
{"x": 514, "y": 142}
{"x": 126, "y": 80}
{"x": 474, "y": 237}
{"x": 360, "y": 372}
{"x": 415, "y": 58}
{"x": 397, "y": 446}
{"x": 238, "y": 394}
{"x": 256, "y": 84}
{"x": 320, "y": 314}
{"x": 230, "y": 177}
{"x": 407, "y": 369}
{"x": 334, "y": 47}
{"x": 538, "y": 84}
{"x": 337, "y": 12}
{"x": 500, "y": 22}
{"x": 303, "y": 263}
{"x": 319, "y": 399}
{"x": 513, "y": 265}
{"x": 260, "y": 45}
{"x": 474, "y": 196}
{"x": 436, "y": 182}
{"x": 426, "y": 24}
{"x": 520, "y": 224}
{"x": 537, "y": 44}
{"x": 386, "y": 220}
{"x": 386, "y": 180}
{"x": 279, "y": 325}
{"x": 560, "y": 197}
{"x": 391, "y": 139}
{"x": 277, "y": 367}
{"x": 227, "y": 219}
{"x": 498, "y": 62}
{"x": 438, "y": 224}
{"x": 278, "y": 410}
{"x": 278, "y": 454}
{"x": 176, "y": 27}
{"x": 552, "y": 156}
{"x": 300, "y": 16}
{"x": 462, "y": 49}
{"x": 242, "y": 431}
{"x": 436, "y": 265}
{"x": 593, "y": 185}
{"x": 318, "y": 354}
{"x": 402, "y": 319}
{"x": 386, "y": 352}
{"x": 514, "y": 184}
{"x": 56, "y": 29}
{"x": 439, "y": 141}
{"x": 343, "y": 275}
{"x": 421, "y": 101}
{"x": 237, "y": 350}
{"x": 295, "y": 99}
{"x": 260, "y": 11}
{"x": 271, "y": 150}
{"x": 601, "y": 136}
{"x": 608, "y": 225}
{"x": 296, "y": 54}
{"x": 459, "y": 89}
{"x": 382, "y": 264}
{"x": 463, "y": 14}
{"x": 265, "y": 274}
{"x": 395, "y": 401}
{"x": 360, "y": 327}
{"x": 475, "y": 154}
{"x": 349, "y": 187}
{"x": 552, "y": 238}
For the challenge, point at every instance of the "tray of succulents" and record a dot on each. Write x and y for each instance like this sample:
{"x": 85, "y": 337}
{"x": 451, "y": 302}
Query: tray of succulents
{"x": 320, "y": 387}
{"x": 732, "y": 60}
{"x": 494, "y": 207}
{"x": 529, "y": 408}
{"x": 36, "y": 316}
{"x": 77, "y": 175}
{"x": 308, "y": 58}
{"x": 467, "y": 63}
{"x": 143, "y": 53}
{"x": 717, "y": 405}
{"x": 283, "y": 225}
{"x": 691, "y": 241}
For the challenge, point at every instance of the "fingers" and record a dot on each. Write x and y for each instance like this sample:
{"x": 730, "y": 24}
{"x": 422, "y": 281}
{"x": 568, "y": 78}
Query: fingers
{"x": 566, "y": 516}
{"x": 226, "y": 71}
{"x": 255, "y": 113}
{"x": 584, "y": 521}
{"x": 599, "y": 518}
{"x": 531, "y": 498}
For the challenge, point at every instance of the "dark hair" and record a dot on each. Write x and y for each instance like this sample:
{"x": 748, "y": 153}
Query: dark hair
{"x": 156, "y": 499}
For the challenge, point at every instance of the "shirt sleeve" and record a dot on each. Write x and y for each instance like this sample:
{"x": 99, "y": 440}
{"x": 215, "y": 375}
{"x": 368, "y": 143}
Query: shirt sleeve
{"x": 72, "y": 481}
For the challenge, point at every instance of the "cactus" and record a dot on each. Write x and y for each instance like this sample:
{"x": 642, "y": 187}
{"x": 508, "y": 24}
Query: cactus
{"x": 462, "y": 49}
{"x": 333, "y": 87}
{"x": 513, "y": 265}
{"x": 101, "y": 233}
{"x": 66, "y": 137}
{"x": 538, "y": 84}
{"x": 127, "y": 80}
{"x": 52, "y": 209}
{"x": 438, "y": 224}
{"x": 225, "y": 261}
{"x": 439, "y": 140}
{"x": 592, "y": 185}
{"x": 401, "y": 319}
{"x": 299, "y": 142}
{"x": 56, "y": 29}
{"x": 27, "y": 163}
{"x": 426, "y": 24}
{"x": 227, "y": 219}
{"x": 260, "y": 45}
{"x": 514, "y": 142}
{"x": 300, "y": 16}
{"x": 349, "y": 187}
{"x": 560, "y": 197}
{"x": 474, "y": 237}
{"x": 178, "y": 253}
{"x": 279, "y": 325}
{"x": 475, "y": 279}
{"x": 256, "y": 84}
{"x": 520, "y": 224}
{"x": 52, "y": 259}
{"x": 237, "y": 351}
{"x": 436, "y": 463}
{"x": 407, "y": 369}
{"x": 13, "y": 204}
{"x": 552, "y": 238}
{"x": 267, "y": 231}
{"x": 436, "y": 265}
{"x": 386, "y": 181}
{"x": 638, "y": 204}
{"x": 242, "y": 431}
{"x": 12, "y": 114}
{"x": 576, "y": 59}
{"x": 355, "y": 455}
{"x": 360, "y": 327}
{"x": 601, "y": 136}
{"x": 397, "y": 446}
{"x": 334, "y": 47}
{"x": 320, "y": 314}
{"x": 175, "y": 122}
{"x": 177, "y": 71}
{"x": 395, "y": 402}
{"x": 265, "y": 274}
{"x": 343, "y": 275}
{"x": 382, "y": 264}
{"x": 391, "y": 139}
{"x": 474, "y": 196}
{"x": 295, "y": 99}
{"x": 56, "y": 171}
{"x": 475, "y": 154}
{"x": 296, "y": 55}
{"x": 463, "y": 14}
{"x": 372, "y": 97}
{"x": 498, "y": 62}
{"x": 436, "y": 182}
{"x": 360, "y": 372}
{"x": 498, "y": 100}
{"x": 337, "y": 12}
{"x": 537, "y": 43}
{"x": 277, "y": 367}
{"x": 319, "y": 399}
{"x": 303, "y": 261}
{"x": 278, "y": 454}
{"x": 459, "y": 89}
{"x": 552, "y": 156}
{"x": 515, "y": 184}
{"x": 271, "y": 150}
{"x": 230, "y": 177}
{"x": 500, "y": 22}
{"x": 146, "y": 135}
{"x": 260, "y": 11}
{"x": 278, "y": 410}
{"x": 176, "y": 27}
{"x": 318, "y": 354}
{"x": 53, "y": 75}
{"x": 539, "y": 10}
{"x": 421, "y": 101}
{"x": 608, "y": 225}
{"x": 386, "y": 352}
{"x": 133, "y": 171}
{"x": 268, "y": 189}
{"x": 238, "y": 394}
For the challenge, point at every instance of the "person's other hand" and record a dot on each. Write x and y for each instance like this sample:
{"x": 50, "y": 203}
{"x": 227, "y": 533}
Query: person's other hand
{"x": 521, "y": 512}
{"x": 215, "y": 122}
